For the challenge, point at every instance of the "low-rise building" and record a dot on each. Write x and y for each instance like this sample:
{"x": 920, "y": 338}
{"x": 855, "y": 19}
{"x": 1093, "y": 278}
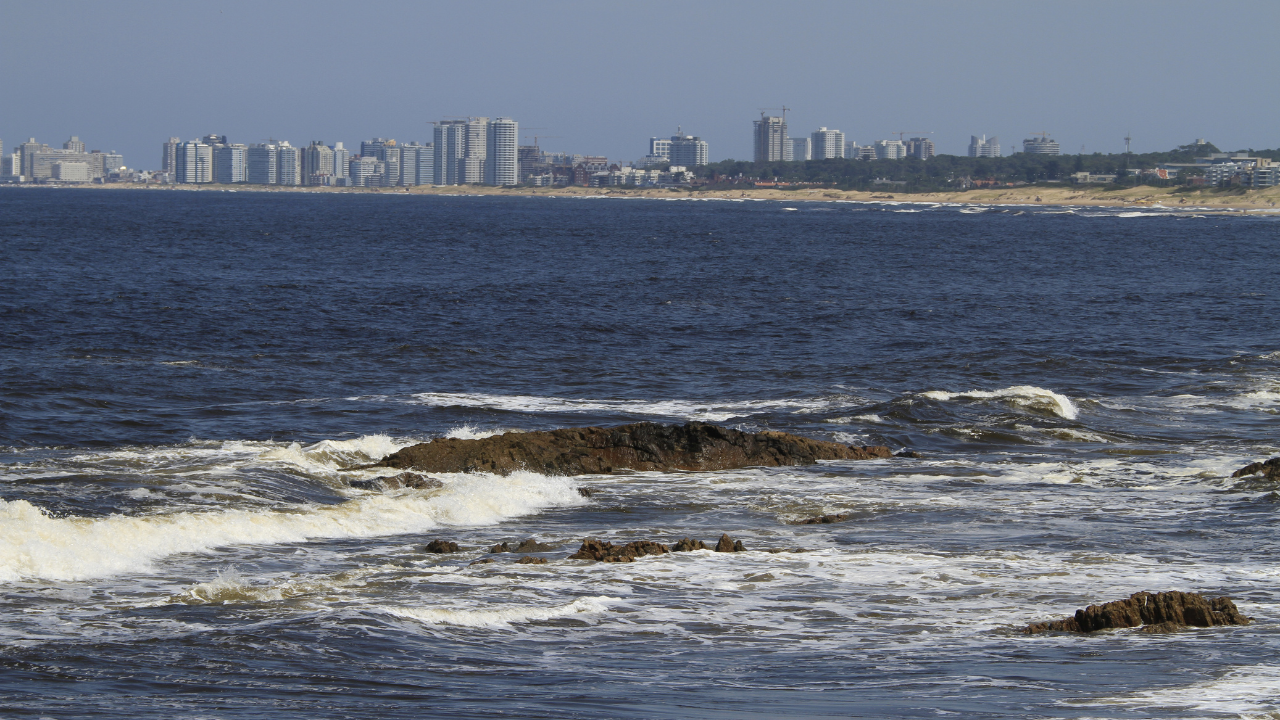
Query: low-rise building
{"x": 71, "y": 171}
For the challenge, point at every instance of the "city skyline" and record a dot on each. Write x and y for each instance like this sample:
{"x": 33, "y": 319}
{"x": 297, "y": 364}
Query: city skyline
{"x": 1079, "y": 72}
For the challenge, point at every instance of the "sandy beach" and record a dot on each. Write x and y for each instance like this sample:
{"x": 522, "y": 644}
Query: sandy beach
{"x": 1263, "y": 199}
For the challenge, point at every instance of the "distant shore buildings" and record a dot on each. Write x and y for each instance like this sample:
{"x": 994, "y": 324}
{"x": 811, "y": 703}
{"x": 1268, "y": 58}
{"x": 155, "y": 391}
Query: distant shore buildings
{"x": 1043, "y": 145}
{"x": 33, "y": 161}
{"x": 982, "y": 147}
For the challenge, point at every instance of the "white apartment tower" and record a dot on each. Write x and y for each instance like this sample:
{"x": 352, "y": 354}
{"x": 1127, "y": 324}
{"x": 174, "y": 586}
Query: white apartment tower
{"x": 261, "y": 163}
{"x": 317, "y": 164}
{"x": 193, "y": 162}
{"x": 687, "y": 151}
{"x": 801, "y": 148}
{"x": 982, "y": 147}
{"x": 827, "y": 144}
{"x": 229, "y": 164}
{"x": 169, "y": 159}
{"x": 770, "y": 139}
{"x": 450, "y": 149}
{"x": 890, "y": 150}
{"x": 1043, "y": 145}
{"x": 501, "y": 164}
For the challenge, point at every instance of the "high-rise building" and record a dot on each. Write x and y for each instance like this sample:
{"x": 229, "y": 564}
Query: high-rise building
{"x": 660, "y": 147}
{"x": 341, "y": 157}
{"x": 111, "y": 162}
{"x": 1043, "y": 145}
{"x": 687, "y": 151}
{"x": 229, "y": 164}
{"x": 501, "y": 164}
{"x": 168, "y": 161}
{"x": 473, "y": 162}
{"x": 890, "y": 150}
{"x": 416, "y": 163}
{"x": 74, "y": 145}
{"x": 261, "y": 163}
{"x": 801, "y": 148}
{"x": 193, "y": 162}
{"x": 27, "y": 151}
{"x": 982, "y": 147}
{"x": 366, "y": 171}
{"x": 317, "y": 164}
{"x": 770, "y": 139}
{"x": 288, "y": 164}
{"x": 920, "y": 147}
{"x": 450, "y": 148}
{"x": 827, "y": 144}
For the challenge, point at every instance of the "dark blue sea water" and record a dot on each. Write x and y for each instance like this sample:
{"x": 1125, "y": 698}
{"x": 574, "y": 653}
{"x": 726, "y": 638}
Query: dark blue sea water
{"x": 185, "y": 375}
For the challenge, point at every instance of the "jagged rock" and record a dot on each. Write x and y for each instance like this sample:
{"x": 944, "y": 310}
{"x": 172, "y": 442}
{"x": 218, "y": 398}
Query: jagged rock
{"x": 728, "y": 544}
{"x": 526, "y": 546}
{"x": 825, "y": 519}
{"x": 1269, "y": 469}
{"x": 638, "y": 446}
{"x": 531, "y": 560}
{"x": 1258, "y": 476}
{"x": 1155, "y": 612}
{"x": 688, "y": 544}
{"x": 442, "y": 546}
{"x": 601, "y": 551}
{"x": 395, "y": 482}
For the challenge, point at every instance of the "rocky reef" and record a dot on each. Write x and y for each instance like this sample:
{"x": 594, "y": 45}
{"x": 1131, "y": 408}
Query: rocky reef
{"x": 638, "y": 446}
{"x": 1152, "y": 612}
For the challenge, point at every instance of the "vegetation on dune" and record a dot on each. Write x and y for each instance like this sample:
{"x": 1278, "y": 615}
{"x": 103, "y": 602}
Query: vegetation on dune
{"x": 950, "y": 172}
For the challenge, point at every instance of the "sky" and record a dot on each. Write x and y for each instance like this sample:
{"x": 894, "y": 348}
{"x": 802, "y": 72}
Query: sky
{"x": 601, "y": 77}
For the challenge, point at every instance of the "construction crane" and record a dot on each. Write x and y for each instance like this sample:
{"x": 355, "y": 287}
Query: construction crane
{"x": 1043, "y": 135}
{"x": 903, "y": 133}
{"x": 784, "y": 110}
{"x": 538, "y": 137}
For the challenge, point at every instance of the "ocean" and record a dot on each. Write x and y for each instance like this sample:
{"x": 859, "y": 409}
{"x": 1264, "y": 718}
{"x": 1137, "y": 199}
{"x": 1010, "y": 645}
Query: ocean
{"x": 187, "y": 377}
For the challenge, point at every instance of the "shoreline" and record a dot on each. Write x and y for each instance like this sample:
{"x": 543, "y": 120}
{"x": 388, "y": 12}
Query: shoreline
{"x": 1262, "y": 199}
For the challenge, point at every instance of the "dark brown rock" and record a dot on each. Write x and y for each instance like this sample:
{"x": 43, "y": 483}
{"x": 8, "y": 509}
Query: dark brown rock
{"x": 688, "y": 544}
{"x": 1161, "y": 612}
{"x": 908, "y": 454}
{"x": 728, "y": 544}
{"x": 395, "y": 482}
{"x": 526, "y": 546}
{"x": 601, "y": 551}
{"x": 1269, "y": 469}
{"x": 442, "y": 546}
{"x": 586, "y": 491}
{"x": 482, "y": 561}
{"x": 825, "y": 519}
{"x": 639, "y": 446}
{"x": 531, "y": 560}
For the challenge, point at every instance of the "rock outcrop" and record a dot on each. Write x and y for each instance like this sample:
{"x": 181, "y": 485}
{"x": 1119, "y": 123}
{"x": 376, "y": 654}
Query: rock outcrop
{"x": 639, "y": 446}
{"x": 601, "y": 551}
{"x": 1257, "y": 476}
{"x": 688, "y": 545}
{"x": 1153, "y": 612}
{"x": 728, "y": 544}
{"x": 442, "y": 547}
{"x": 531, "y": 560}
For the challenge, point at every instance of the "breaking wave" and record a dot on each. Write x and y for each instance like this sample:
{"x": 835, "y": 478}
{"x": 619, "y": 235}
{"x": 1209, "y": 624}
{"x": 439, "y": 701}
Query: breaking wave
{"x": 583, "y": 607}
{"x": 1025, "y": 396}
{"x": 712, "y": 412}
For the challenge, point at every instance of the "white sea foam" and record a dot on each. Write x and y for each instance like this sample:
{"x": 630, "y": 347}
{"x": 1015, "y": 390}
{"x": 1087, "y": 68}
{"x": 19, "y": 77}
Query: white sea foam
{"x": 500, "y": 617}
{"x": 1245, "y": 692}
{"x": 714, "y": 412}
{"x": 1027, "y": 396}
{"x": 36, "y": 545}
{"x": 471, "y": 432}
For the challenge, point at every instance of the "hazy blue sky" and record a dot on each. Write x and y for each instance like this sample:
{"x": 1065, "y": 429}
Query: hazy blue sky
{"x": 605, "y": 76}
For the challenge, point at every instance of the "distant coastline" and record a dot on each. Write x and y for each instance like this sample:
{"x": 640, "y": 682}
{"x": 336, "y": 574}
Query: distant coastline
{"x": 1262, "y": 199}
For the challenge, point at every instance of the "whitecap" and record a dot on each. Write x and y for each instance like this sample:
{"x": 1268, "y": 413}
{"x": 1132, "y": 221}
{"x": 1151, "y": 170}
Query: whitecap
{"x": 1028, "y": 396}
{"x": 501, "y": 617}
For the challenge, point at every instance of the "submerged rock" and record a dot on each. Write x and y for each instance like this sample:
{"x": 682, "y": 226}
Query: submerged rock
{"x": 1263, "y": 475}
{"x": 442, "y": 546}
{"x": 825, "y": 519}
{"x": 638, "y": 446}
{"x": 395, "y": 482}
{"x": 525, "y": 546}
{"x": 601, "y": 551}
{"x": 1154, "y": 612}
{"x": 531, "y": 560}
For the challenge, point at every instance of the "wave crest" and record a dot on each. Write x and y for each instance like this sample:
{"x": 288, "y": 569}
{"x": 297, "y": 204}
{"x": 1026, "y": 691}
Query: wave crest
{"x": 1027, "y": 396}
